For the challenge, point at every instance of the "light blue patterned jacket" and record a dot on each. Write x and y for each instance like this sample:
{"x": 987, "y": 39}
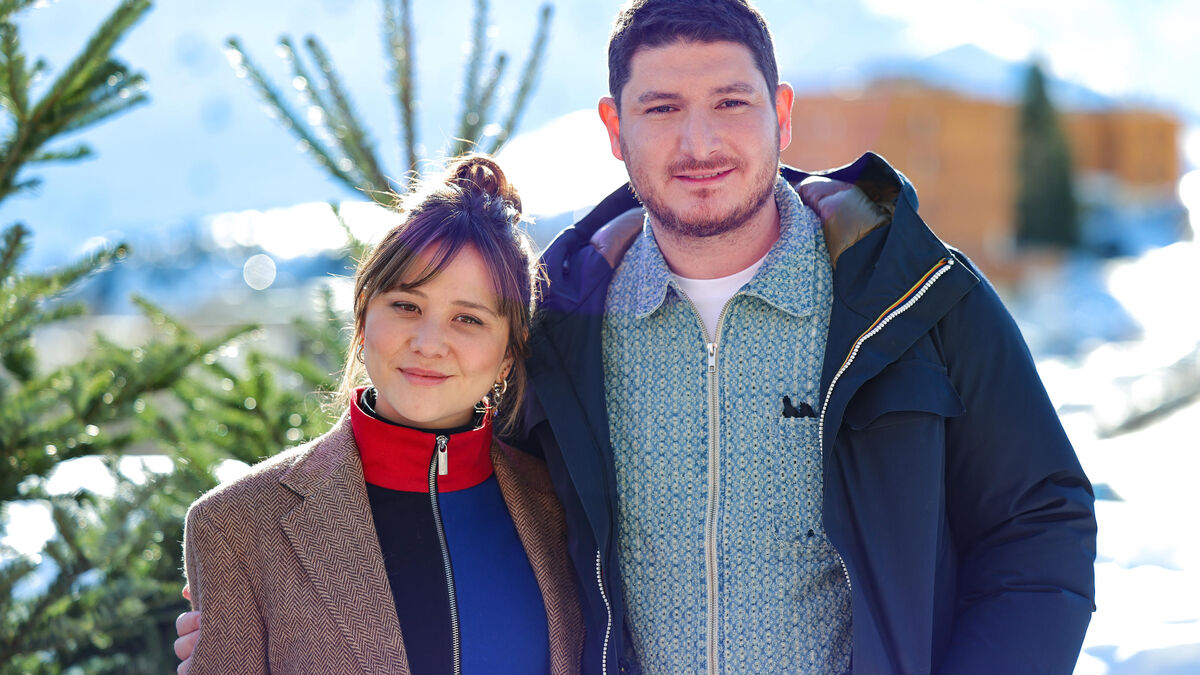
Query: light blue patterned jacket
{"x": 719, "y": 480}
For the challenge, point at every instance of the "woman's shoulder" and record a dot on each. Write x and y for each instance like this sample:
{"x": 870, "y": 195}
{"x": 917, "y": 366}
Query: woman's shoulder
{"x": 263, "y": 486}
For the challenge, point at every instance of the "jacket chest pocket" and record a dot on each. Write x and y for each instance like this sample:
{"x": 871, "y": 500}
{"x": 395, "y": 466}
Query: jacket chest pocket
{"x": 905, "y": 392}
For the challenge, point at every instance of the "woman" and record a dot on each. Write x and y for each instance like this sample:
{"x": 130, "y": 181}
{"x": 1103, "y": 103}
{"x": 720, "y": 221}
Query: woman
{"x": 407, "y": 538}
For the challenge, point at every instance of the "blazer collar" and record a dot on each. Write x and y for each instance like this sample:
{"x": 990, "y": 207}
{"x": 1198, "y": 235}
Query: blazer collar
{"x": 333, "y": 535}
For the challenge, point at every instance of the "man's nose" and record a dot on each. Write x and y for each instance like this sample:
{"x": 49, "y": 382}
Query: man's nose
{"x": 700, "y": 136}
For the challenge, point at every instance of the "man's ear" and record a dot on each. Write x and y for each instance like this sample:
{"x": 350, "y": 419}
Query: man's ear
{"x": 784, "y": 97}
{"x": 612, "y": 122}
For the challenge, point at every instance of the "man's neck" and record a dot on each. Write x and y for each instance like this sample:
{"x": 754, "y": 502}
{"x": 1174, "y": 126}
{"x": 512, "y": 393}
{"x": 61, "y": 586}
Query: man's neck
{"x": 723, "y": 254}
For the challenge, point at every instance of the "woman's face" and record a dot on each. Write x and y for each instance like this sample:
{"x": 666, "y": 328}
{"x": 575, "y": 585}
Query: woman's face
{"x": 432, "y": 352}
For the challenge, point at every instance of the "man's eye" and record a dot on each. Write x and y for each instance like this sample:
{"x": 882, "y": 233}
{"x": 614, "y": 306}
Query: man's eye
{"x": 732, "y": 103}
{"x": 659, "y": 109}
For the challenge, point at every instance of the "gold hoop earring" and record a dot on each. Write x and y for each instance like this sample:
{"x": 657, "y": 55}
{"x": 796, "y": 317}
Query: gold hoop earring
{"x": 358, "y": 353}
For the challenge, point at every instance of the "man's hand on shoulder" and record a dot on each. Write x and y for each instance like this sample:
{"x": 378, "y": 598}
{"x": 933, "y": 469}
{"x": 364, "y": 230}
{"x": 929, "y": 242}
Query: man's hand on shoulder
{"x": 188, "y": 627}
{"x": 846, "y": 212}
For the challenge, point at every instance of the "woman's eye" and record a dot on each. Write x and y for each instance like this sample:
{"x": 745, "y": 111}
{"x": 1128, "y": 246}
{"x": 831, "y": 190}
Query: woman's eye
{"x": 468, "y": 319}
{"x": 404, "y": 306}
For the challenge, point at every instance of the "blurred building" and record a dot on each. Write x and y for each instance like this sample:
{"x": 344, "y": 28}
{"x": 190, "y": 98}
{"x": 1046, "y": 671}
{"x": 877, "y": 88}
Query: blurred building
{"x": 960, "y": 152}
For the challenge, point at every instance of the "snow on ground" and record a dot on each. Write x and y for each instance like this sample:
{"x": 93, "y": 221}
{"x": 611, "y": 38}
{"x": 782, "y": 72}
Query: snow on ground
{"x": 1147, "y": 619}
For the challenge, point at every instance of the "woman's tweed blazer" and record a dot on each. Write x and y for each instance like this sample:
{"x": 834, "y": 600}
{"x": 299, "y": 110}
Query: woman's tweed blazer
{"x": 285, "y": 567}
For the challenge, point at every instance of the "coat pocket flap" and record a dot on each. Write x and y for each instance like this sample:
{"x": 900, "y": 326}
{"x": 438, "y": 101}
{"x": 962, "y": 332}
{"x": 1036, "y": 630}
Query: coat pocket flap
{"x": 904, "y": 386}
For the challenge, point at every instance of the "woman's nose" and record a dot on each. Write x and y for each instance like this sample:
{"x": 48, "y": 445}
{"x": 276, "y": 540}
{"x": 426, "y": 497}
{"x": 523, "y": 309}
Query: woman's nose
{"x": 429, "y": 339}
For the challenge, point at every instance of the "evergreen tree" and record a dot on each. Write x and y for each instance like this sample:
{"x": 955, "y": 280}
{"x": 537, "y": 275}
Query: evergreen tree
{"x": 1047, "y": 214}
{"x": 104, "y": 594}
{"x": 336, "y": 139}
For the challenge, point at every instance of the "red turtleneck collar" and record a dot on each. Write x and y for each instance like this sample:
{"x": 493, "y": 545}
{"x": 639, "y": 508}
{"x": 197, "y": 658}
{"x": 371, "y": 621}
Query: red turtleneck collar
{"x": 398, "y": 457}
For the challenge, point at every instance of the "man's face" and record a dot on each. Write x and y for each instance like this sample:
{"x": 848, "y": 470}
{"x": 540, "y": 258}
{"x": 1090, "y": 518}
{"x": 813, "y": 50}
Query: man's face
{"x": 700, "y": 134}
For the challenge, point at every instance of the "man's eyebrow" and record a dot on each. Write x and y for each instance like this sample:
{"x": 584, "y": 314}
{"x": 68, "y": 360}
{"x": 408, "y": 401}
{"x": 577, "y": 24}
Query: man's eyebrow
{"x": 734, "y": 88}
{"x": 649, "y": 96}
{"x": 737, "y": 88}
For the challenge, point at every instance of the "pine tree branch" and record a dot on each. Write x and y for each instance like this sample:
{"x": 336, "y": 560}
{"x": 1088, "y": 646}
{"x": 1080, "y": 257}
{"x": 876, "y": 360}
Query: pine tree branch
{"x": 81, "y": 151}
{"x": 23, "y": 311}
{"x": 528, "y": 79}
{"x": 348, "y": 132}
{"x": 14, "y": 248}
{"x": 94, "y": 54}
{"x": 479, "y": 49}
{"x": 357, "y": 248}
{"x": 275, "y": 103}
{"x": 10, "y": 7}
{"x": 306, "y": 84}
{"x": 398, "y": 34}
{"x": 63, "y": 108}
{"x": 87, "y": 116}
{"x": 16, "y": 79}
{"x": 470, "y": 135}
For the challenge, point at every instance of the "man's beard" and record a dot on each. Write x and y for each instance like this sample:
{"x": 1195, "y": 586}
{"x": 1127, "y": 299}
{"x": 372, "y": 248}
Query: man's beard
{"x": 707, "y": 223}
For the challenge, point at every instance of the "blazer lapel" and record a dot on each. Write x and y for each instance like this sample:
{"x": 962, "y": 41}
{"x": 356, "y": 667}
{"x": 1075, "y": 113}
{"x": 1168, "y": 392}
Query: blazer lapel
{"x": 333, "y": 535}
{"x": 542, "y": 528}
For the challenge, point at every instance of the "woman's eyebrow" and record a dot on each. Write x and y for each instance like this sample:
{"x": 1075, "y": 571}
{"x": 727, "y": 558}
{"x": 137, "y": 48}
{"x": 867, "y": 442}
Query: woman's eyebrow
{"x": 475, "y": 305}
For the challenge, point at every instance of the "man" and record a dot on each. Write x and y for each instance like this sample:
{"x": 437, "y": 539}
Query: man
{"x": 783, "y": 448}
{"x": 776, "y": 455}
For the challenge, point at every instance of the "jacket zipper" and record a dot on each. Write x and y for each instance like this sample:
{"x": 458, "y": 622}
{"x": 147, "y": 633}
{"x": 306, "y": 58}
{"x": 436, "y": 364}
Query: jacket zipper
{"x": 897, "y": 308}
{"x": 437, "y": 465}
{"x": 712, "y": 584}
{"x": 608, "y": 614}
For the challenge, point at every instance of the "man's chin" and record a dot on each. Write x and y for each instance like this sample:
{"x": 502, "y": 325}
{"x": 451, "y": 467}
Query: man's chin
{"x": 699, "y": 223}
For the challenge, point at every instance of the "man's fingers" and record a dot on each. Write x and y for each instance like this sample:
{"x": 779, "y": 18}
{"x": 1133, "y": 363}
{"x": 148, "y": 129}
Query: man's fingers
{"x": 185, "y": 645}
{"x": 184, "y": 667}
{"x": 187, "y": 593}
{"x": 814, "y": 189}
{"x": 188, "y": 622}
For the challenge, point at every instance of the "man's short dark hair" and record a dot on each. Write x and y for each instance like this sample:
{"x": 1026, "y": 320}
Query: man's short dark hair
{"x": 653, "y": 23}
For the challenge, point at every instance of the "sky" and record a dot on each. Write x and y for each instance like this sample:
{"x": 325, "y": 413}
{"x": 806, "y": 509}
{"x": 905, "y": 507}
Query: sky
{"x": 204, "y": 146}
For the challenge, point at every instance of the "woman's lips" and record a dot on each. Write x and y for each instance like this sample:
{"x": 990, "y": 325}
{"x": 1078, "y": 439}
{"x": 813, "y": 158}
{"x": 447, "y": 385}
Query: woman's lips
{"x": 423, "y": 377}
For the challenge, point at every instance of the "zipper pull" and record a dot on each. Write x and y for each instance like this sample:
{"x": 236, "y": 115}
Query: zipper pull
{"x": 443, "y": 457}
{"x": 712, "y": 357}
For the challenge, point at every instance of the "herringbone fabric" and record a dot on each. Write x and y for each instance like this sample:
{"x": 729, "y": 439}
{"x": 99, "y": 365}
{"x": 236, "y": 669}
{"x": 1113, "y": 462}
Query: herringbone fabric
{"x": 285, "y": 566}
{"x": 542, "y": 527}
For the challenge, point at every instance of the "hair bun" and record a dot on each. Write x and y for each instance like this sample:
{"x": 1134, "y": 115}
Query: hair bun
{"x": 480, "y": 173}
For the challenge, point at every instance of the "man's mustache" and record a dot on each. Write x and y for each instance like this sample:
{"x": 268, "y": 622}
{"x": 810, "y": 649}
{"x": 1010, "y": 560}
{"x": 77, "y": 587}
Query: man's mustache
{"x": 689, "y": 165}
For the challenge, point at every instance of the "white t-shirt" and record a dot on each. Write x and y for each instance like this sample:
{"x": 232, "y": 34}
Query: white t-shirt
{"x": 709, "y": 296}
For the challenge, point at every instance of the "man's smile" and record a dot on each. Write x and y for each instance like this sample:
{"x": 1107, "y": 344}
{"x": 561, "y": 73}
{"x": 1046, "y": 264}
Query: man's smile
{"x": 707, "y": 177}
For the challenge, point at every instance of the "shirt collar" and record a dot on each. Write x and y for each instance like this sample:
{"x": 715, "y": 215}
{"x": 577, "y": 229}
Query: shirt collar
{"x": 784, "y": 280}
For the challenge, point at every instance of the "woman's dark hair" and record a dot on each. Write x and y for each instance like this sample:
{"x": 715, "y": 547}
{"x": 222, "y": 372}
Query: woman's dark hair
{"x": 653, "y": 23}
{"x": 473, "y": 204}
